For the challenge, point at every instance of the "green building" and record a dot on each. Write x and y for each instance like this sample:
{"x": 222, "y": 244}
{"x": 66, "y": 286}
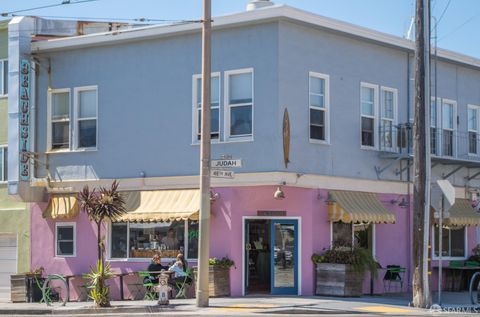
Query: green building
{"x": 14, "y": 216}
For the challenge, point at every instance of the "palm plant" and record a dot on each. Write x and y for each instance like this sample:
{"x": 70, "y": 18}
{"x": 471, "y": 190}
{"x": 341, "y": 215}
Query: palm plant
{"x": 107, "y": 204}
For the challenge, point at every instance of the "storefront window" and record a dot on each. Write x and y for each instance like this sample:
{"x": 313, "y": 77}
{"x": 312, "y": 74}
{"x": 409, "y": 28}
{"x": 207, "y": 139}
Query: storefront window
{"x": 453, "y": 242}
{"x": 342, "y": 234}
{"x": 143, "y": 240}
{"x": 359, "y": 235}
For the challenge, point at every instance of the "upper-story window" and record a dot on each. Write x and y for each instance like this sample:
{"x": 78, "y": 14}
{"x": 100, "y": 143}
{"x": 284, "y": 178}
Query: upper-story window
{"x": 368, "y": 105}
{"x": 59, "y": 119}
{"x": 214, "y": 106}
{"x": 434, "y": 137}
{"x": 388, "y": 117}
{"x": 239, "y": 104}
{"x": 448, "y": 127}
{"x": 473, "y": 118}
{"x": 3, "y": 77}
{"x": 86, "y": 117}
{"x": 3, "y": 163}
{"x": 319, "y": 107}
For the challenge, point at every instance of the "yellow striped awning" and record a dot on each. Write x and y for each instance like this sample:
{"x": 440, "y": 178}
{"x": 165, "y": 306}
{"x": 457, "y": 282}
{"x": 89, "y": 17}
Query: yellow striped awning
{"x": 462, "y": 214}
{"x": 161, "y": 205}
{"x": 348, "y": 206}
{"x": 62, "y": 206}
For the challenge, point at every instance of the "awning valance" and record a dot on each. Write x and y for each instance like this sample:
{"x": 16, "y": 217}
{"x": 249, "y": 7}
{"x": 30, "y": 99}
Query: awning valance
{"x": 62, "y": 206}
{"x": 349, "y": 206}
{"x": 462, "y": 214}
{"x": 161, "y": 205}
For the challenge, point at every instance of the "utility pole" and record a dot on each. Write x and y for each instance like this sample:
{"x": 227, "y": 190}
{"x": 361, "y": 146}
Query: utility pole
{"x": 204, "y": 219}
{"x": 421, "y": 163}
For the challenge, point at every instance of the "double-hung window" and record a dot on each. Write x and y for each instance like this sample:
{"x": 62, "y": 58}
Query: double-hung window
{"x": 3, "y": 164}
{"x": 65, "y": 239}
{"x": 448, "y": 128}
{"x": 239, "y": 104}
{"x": 368, "y": 106}
{"x": 454, "y": 242}
{"x": 358, "y": 235}
{"x": 86, "y": 117}
{"x": 3, "y": 77}
{"x": 59, "y": 119}
{"x": 319, "y": 107}
{"x": 434, "y": 136}
{"x": 214, "y": 106}
{"x": 388, "y": 118}
{"x": 473, "y": 129}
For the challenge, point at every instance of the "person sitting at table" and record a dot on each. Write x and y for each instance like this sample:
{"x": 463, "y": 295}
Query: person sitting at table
{"x": 180, "y": 271}
{"x": 155, "y": 266}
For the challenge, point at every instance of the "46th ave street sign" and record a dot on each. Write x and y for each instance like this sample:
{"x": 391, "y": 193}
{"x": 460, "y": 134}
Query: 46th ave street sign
{"x": 226, "y": 163}
{"x": 222, "y": 174}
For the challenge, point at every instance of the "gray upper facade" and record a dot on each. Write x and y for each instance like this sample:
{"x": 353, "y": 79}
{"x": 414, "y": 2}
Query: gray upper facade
{"x": 109, "y": 106}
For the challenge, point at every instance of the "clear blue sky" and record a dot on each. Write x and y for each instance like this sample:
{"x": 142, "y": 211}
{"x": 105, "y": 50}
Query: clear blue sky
{"x": 458, "y": 30}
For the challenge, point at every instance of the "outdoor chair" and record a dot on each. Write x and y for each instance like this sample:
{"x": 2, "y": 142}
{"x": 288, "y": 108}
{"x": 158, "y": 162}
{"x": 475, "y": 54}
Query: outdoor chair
{"x": 393, "y": 277}
{"x": 183, "y": 284}
{"x": 148, "y": 285}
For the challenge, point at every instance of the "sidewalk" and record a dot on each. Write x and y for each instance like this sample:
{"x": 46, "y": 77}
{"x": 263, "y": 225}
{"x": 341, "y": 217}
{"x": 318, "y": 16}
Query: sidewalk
{"x": 242, "y": 306}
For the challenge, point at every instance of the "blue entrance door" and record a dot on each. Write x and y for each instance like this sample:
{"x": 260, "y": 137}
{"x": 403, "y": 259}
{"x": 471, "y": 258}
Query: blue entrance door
{"x": 284, "y": 257}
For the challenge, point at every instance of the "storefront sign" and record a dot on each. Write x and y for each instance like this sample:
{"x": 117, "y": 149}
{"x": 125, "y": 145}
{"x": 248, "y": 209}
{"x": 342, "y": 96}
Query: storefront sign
{"x": 24, "y": 120}
{"x": 271, "y": 213}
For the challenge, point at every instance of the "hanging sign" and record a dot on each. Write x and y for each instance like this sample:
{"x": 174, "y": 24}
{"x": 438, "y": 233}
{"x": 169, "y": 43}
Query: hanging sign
{"x": 24, "y": 119}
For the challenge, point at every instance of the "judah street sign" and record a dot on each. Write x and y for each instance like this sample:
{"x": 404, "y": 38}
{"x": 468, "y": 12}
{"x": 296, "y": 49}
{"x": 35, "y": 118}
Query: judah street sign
{"x": 226, "y": 163}
{"x": 222, "y": 174}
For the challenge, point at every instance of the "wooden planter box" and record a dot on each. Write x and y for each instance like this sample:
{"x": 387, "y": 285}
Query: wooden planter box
{"x": 24, "y": 289}
{"x": 218, "y": 281}
{"x": 338, "y": 280}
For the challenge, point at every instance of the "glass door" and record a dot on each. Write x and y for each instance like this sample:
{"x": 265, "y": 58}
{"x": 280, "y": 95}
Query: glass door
{"x": 284, "y": 258}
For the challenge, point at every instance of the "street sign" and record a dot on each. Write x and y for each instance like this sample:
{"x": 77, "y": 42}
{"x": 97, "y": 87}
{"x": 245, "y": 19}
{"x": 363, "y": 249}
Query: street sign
{"x": 222, "y": 174}
{"x": 226, "y": 163}
{"x": 442, "y": 188}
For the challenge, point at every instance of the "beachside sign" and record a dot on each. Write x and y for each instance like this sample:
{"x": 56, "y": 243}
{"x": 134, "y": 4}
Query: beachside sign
{"x": 24, "y": 119}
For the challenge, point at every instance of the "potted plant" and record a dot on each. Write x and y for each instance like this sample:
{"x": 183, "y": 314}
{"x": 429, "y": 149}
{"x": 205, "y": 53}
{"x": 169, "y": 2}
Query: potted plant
{"x": 340, "y": 270}
{"x": 25, "y": 287}
{"x": 219, "y": 276}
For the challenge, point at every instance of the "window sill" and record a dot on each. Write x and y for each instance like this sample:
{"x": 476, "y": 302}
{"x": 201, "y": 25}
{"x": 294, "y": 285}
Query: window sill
{"x": 321, "y": 142}
{"x": 368, "y": 148}
{"x": 72, "y": 151}
{"x": 455, "y": 258}
{"x": 215, "y": 141}
{"x": 3, "y": 96}
{"x": 65, "y": 256}
{"x": 234, "y": 140}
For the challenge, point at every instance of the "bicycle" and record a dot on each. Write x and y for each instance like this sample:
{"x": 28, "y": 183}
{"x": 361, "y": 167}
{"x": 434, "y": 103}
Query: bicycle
{"x": 475, "y": 295}
{"x": 54, "y": 290}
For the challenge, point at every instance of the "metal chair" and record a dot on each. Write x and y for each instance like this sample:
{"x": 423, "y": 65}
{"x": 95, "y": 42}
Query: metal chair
{"x": 149, "y": 285}
{"x": 394, "y": 275}
{"x": 182, "y": 285}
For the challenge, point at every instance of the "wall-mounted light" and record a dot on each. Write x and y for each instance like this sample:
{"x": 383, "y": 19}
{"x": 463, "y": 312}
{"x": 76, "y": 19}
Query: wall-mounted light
{"x": 279, "y": 194}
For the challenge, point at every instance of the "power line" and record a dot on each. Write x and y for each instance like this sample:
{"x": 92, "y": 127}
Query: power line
{"x": 64, "y": 2}
{"x": 459, "y": 27}
{"x": 443, "y": 13}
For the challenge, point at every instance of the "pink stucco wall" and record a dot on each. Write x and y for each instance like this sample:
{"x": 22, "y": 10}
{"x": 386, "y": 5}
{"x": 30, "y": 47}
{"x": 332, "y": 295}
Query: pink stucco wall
{"x": 393, "y": 242}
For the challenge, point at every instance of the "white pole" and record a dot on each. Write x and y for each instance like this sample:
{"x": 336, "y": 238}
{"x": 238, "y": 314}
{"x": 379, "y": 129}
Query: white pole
{"x": 204, "y": 219}
{"x": 440, "y": 250}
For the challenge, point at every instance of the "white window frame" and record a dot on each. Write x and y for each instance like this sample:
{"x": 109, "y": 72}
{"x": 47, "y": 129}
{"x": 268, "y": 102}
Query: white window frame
{"x": 477, "y": 110}
{"x": 3, "y": 159}
{"x": 454, "y": 130}
{"x": 436, "y": 125}
{"x": 374, "y": 117}
{"x": 51, "y": 92}
{"x": 228, "y": 137}
{"x": 325, "y": 109}
{"x": 394, "y": 121}
{"x": 66, "y": 224}
{"x": 4, "y": 74}
{"x": 196, "y": 109}
{"x": 465, "y": 241}
{"x": 129, "y": 259}
{"x": 374, "y": 235}
{"x": 77, "y": 119}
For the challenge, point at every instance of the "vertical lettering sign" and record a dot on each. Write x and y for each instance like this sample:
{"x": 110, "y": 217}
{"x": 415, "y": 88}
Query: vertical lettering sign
{"x": 24, "y": 120}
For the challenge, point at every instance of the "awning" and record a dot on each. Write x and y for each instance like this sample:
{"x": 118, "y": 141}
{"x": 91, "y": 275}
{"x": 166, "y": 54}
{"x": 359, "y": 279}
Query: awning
{"x": 62, "y": 206}
{"x": 462, "y": 214}
{"x": 161, "y": 205}
{"x": 348, "y": 206}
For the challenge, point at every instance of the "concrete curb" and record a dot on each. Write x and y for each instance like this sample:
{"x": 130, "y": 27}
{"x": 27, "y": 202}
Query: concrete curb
{"x": 90, "y": 310}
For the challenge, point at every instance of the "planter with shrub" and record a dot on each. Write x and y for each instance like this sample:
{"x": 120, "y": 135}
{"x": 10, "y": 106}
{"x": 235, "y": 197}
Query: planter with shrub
{"x": 218, "y": 276}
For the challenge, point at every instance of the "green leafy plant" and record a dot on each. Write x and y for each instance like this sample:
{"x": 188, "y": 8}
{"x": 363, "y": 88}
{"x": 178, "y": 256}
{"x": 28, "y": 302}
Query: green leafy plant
{"x": 475, "y": 254}
{"x": 107, "y": 204}
{"x": 360, "y": 259}
{"x": 97, "y": 277}
{"x": 36, "y": 271}
{"x": 224, "y": 262}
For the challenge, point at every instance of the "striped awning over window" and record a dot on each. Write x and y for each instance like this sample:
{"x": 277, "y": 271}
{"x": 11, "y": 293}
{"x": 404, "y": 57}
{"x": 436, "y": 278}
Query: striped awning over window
{"x": 161, "y": 205}
{"x": 462, "y": 214}
{"x": 355, "y": 207}
{"x": 62, "y": 206}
